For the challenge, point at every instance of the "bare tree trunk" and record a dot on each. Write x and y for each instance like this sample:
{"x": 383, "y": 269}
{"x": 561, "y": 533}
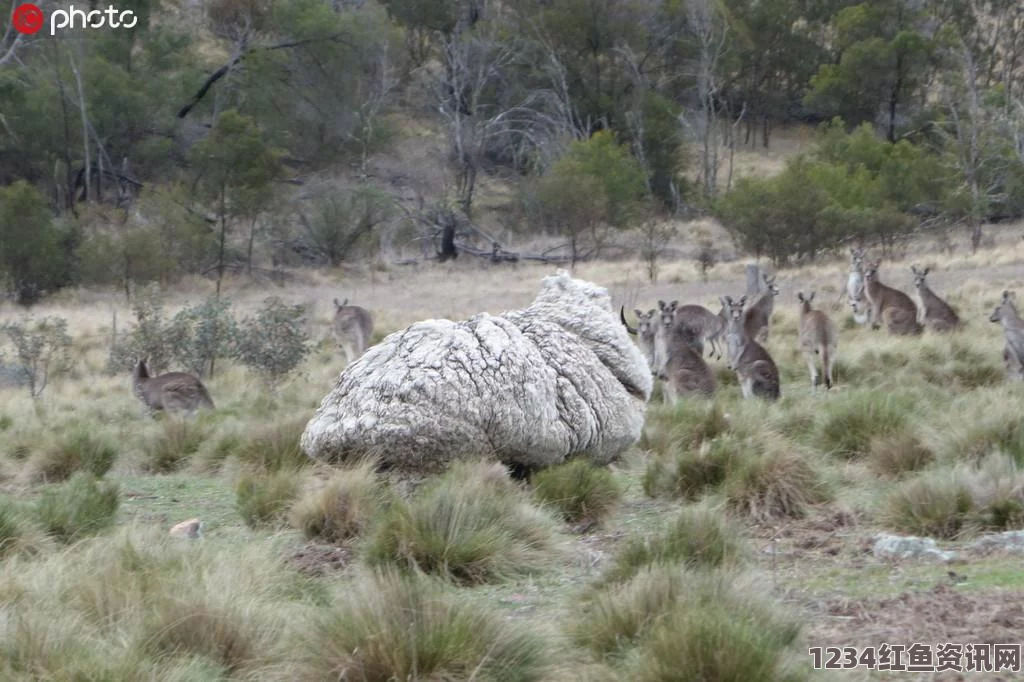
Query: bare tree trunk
{"x": 85, "y": 126}
{"x": 753, "y": 279}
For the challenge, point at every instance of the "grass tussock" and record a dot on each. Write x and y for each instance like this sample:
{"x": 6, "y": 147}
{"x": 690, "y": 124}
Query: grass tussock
{"x": 684, "y": 426}
{"x": 775, "y": 480}
{"x": 137, "y": 605}
{"x": 578, "y": 490}
{"x": 672, "y": 623}
{"x": 79, "y": 507}
{"x": 274, "y": 447}
{"x": 851, "y": 422}
{"x": 472, "y": 525}
{"x": 959, "y": 501}
{"x": 78, "y": 449}
{"x": 263, "y": 500}
{"x": 898, "y": 453}
{"x": 170, "y": 446}
{"x": 978, "y": 424}
{"x": 401, "y": 626}
{"x": 345, "y": 508}
{"x": 19, "y": 533}
{"x": 701, "y": 536}
{"x": 688, "y": 473}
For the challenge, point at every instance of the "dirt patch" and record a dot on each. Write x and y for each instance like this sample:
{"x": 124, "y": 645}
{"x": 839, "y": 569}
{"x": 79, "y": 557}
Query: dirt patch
{"x": 318, "y": 560}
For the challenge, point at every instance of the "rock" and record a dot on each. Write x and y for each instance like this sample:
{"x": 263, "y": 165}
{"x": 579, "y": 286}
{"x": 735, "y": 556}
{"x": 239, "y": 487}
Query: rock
{"x": 1010, "y": 541}
{"x": 908, "y": 547}
{"x": 187, "y": 529}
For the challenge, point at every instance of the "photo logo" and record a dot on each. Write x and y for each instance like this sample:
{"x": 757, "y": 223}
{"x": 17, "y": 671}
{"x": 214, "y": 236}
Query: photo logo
{"x": 28, "y": 18}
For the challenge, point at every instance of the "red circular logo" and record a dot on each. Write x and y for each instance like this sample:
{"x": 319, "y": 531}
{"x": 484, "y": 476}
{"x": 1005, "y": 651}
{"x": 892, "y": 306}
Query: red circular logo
{"x": 27, "y": 19}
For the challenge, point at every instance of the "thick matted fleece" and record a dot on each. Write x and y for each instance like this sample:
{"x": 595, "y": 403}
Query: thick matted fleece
{"x": 527, "y": 387}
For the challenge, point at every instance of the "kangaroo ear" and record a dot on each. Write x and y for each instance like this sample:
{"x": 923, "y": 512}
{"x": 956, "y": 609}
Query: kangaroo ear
{"x": 800, "y": 296}
{"x": 636, "y": 311}
{"x": 743, "y": 299}
{"x": 926, "y": 271}
{"x": 811, "y": 297}
{"x": 661, "y": 304}
{"x": 913, "y": 269}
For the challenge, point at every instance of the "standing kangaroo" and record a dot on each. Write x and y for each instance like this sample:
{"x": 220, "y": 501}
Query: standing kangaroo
{"x": 932, "y": 310}
{"x": 644, "y": 331}
{"x": 706, "y": 326}
{"x": 682, "y": 367}
{"x": 1013, "y": 329}
{"x": 171, "y": 392}
{"x": 819, "y": 336}
{"x": 855, "y": 287}
{"x": 353, "y": 328}
{"x": 760, "y": 313}
{"x": 757, "y": 373}
{"x": 891, "y": 305}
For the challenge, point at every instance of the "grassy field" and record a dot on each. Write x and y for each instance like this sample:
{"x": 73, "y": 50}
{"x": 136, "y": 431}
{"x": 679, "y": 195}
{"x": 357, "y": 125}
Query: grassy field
{"x": 732, "y": 538}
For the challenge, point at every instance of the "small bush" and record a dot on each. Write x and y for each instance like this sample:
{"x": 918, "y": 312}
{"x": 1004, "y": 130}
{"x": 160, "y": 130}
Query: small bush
{"x": 172, "y": 444}
{"x": 472, "y": 525}
{"x": 851, "y": 423}
{"x": 275, "y": 447}
{"x": 79, "y": 507}
{"x": 700, "y": 536}
{"x": 775, "y": 482}
{"x": 273, "y": 342}
{"x": 42, "y": 350}
{"x": 937, "y": 504}
{"x": 345, "y": 508}
{"x": 77, "y": 450}
{"x": 691, "y": 472}
{"x": 264, "y": 499}
{"x": 150, "y": 338}
{"x": 202, "y": 334}
{"x": 578, "y": 490}
{"x": 898, "y": 453}
{"x": 391, "y": 626}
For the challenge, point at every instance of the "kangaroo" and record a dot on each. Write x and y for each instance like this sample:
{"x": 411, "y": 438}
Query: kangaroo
{"x": 891, "y": 305}
{"x": 1013, "y": 329}
{"x": 754, "y": 367}
{"x": 760, "y": 313}
{"x": 705, "y": 325}
{"x": 682, "y": 367}
{"x": 644, "y": 331}
{"x": 932, "y": 310}
{"x": 171, "y": 392}
{"x": 819, "y": 336}
{"x": 855, "y": 286}
{"x": 353, "y": 328}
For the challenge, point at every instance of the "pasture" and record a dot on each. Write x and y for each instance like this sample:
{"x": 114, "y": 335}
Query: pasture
{"x": 733, "y": 537}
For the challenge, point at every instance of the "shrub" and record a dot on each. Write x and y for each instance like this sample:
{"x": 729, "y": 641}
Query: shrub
{"x": 775, "y": 481}
{"x": 264, "y": 499}
{"x": 578, "y": 490}
{"x": 150, "y": 339}
{"x": 202, "y": 334}
{"x": 344, "y": 508}
{"x": 80, "y": 507}
{"x": 700, "y": 536}
{"x": 273, "y": 342}
{"x": 275, "y": 447}
{"x": 77, "y": 450}
{"x": 41, "y": 348}
{"x": 172, "y": 443}
{"x": 472, "y": 525}
{"x": 392, "y": 626}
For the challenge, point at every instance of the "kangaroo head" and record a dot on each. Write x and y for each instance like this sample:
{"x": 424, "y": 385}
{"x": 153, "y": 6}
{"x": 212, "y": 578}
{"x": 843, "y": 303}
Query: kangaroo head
{"x": 919, "y": 276}
{"x": 871, "y": 271}
{"x": 667, "y": 318}
{"x": 770, "y": 283}
{"x": 340, "y": 305}
{"x": 805, "y": 300}
{"x": 735, "y": 308}
{"x": 1005, "y": 308}
{"x": 645, "y": 321}
{"x": 857, "y": 258}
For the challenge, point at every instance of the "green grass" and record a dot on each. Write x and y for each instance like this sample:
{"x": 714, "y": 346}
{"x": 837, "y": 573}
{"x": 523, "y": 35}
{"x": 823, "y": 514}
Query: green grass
{"x": 578, "y": 490}
{"x": 80, "y": 507}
